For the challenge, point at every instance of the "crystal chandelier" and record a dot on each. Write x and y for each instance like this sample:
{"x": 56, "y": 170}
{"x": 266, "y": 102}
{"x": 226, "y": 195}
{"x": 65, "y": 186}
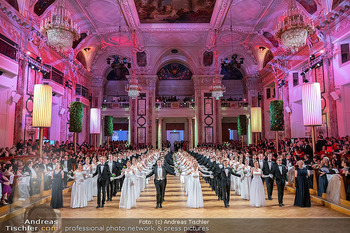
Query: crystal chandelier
{"x": 133, "y": 88}
{"x": 294, "y": 28}
{"x": 217, "y": 89}
{"x": 59, "y": 28}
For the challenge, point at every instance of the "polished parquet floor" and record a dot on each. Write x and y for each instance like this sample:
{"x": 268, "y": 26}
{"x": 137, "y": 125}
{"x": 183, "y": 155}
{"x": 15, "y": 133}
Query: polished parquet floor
{"x": 175, "y": 206}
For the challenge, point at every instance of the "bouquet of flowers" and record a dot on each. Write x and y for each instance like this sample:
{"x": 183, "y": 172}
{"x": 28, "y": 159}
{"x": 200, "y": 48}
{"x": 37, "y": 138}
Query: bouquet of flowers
{"x": 113, "y": 175}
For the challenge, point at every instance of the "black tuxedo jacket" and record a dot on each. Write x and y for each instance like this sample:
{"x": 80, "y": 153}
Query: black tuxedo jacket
{"x": 119, "y": 168}
{"x": 69, "y": 164}
{"x": 266, "y": 169}
{"x": 222, "y": 174}
{"x": 277, "y": 174}
{"x": 103, "y": 176}
{"x": 114, "y": 166}
{"x": 155, "y": 172}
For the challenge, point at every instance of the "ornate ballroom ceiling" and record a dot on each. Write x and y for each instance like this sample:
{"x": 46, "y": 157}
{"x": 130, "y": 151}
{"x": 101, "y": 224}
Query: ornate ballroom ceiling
{"x": 186, "y": 25}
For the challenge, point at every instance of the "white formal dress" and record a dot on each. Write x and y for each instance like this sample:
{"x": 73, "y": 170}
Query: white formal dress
{"x": 194, "y": 192}
{"x": 257, "y": 192}
{"x": 238, "y": 180}
{"x": 245, "y": 183}
{"x": 233, "y": 178}
{"x": 128, "y": 194}
{"x": 137, "y": 183}
{"x": 78, "y": 198}
{"x": 94, "y": 181}
{"x": 88, "y": 183}
{"x": 333, "y": 189}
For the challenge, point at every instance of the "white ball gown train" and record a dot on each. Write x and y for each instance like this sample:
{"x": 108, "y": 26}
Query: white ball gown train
{"x": 195, "y": 196}
{"x": 94, "y": 181}
{"x": 245, "y": 183}
{"x": 257, "y": 192}
{"x": 128, "y": 194}
{"x": 88, "y": 183}
{"x": 78, "y": 198}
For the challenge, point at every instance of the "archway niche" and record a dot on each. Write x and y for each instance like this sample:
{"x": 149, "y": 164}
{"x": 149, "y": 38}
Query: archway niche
{"x": 174, "y": 79}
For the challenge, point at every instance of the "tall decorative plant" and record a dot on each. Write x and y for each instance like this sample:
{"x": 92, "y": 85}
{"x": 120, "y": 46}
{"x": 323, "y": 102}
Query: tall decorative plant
{"x": 277, "y": 115}
{"x": 276, "y": 118}
{"x": 242, "y": 125}
{"x": 76, "y": 120}
{"x": 108, "y": 128}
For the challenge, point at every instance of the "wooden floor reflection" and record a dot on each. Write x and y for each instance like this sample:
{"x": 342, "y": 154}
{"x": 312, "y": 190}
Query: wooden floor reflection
{"x": 175, "y": 206}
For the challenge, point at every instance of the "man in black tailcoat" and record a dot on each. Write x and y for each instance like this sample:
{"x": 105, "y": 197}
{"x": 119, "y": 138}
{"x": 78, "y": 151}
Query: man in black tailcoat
{"x": 103, "y": 178}
{"x": 160, "y": 171}
{"x": 268, "y": 168}
{"x": 280, "y": 175}
{"x": 225, "y": 178}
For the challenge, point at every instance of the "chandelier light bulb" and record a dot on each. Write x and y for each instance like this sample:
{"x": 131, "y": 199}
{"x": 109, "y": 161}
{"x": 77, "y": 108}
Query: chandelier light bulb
{"x": 59, "y": 28}
{"x": 294, "y": 28}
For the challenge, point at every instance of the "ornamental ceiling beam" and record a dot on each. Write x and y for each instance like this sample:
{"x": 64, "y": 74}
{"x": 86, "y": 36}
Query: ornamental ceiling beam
{"x": 218, "y": 17}
{"x": 128, "y": 9}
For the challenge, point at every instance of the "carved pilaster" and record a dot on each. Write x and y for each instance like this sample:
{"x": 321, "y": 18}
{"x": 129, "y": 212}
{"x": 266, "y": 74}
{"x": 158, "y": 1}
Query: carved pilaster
{"x": 20, "y": 105}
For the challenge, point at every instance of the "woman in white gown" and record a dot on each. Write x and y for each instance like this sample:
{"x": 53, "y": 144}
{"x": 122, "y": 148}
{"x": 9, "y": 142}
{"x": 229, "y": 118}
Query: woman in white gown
{"x": 94, "y": 179}
{"x": 257, "y": 192}
{"x": 333, "y": 189}
{"x": 88, "y": 181}
{"x": 238, "y": 181}
{"x": 245, "y": 180}
{"x": 78, "y": 197}
{"x": 195, "y": 196}
{"x": 136, "y": 178}
{"x": 233, "y": 163}
{"x": 129, "y": 190}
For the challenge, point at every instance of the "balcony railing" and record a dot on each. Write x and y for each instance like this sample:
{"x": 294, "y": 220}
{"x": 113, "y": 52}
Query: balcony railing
{"x": 121, "y": 105}
{"x": 175, "y": 105}
{"x": 233, "y": 104}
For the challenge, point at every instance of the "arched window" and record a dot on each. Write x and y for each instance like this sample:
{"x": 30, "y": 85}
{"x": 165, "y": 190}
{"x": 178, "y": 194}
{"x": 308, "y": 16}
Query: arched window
{"x": 174, "y": 71}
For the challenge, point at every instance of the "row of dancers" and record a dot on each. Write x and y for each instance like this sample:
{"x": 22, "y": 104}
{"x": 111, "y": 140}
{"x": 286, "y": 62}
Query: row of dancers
{"x": 233, "y": 173}
{"x": 95, "y": 180}
{"x": 222, "y": 180}
{"x": 221, "y": 173}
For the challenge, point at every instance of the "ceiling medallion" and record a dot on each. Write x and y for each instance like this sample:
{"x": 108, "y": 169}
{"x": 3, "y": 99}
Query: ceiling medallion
{"x": 59, "y": 28}
{"x": 294, "y": 28}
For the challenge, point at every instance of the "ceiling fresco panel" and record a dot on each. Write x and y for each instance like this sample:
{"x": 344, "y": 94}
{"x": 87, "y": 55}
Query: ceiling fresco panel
{"x": 175, "y": 11}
